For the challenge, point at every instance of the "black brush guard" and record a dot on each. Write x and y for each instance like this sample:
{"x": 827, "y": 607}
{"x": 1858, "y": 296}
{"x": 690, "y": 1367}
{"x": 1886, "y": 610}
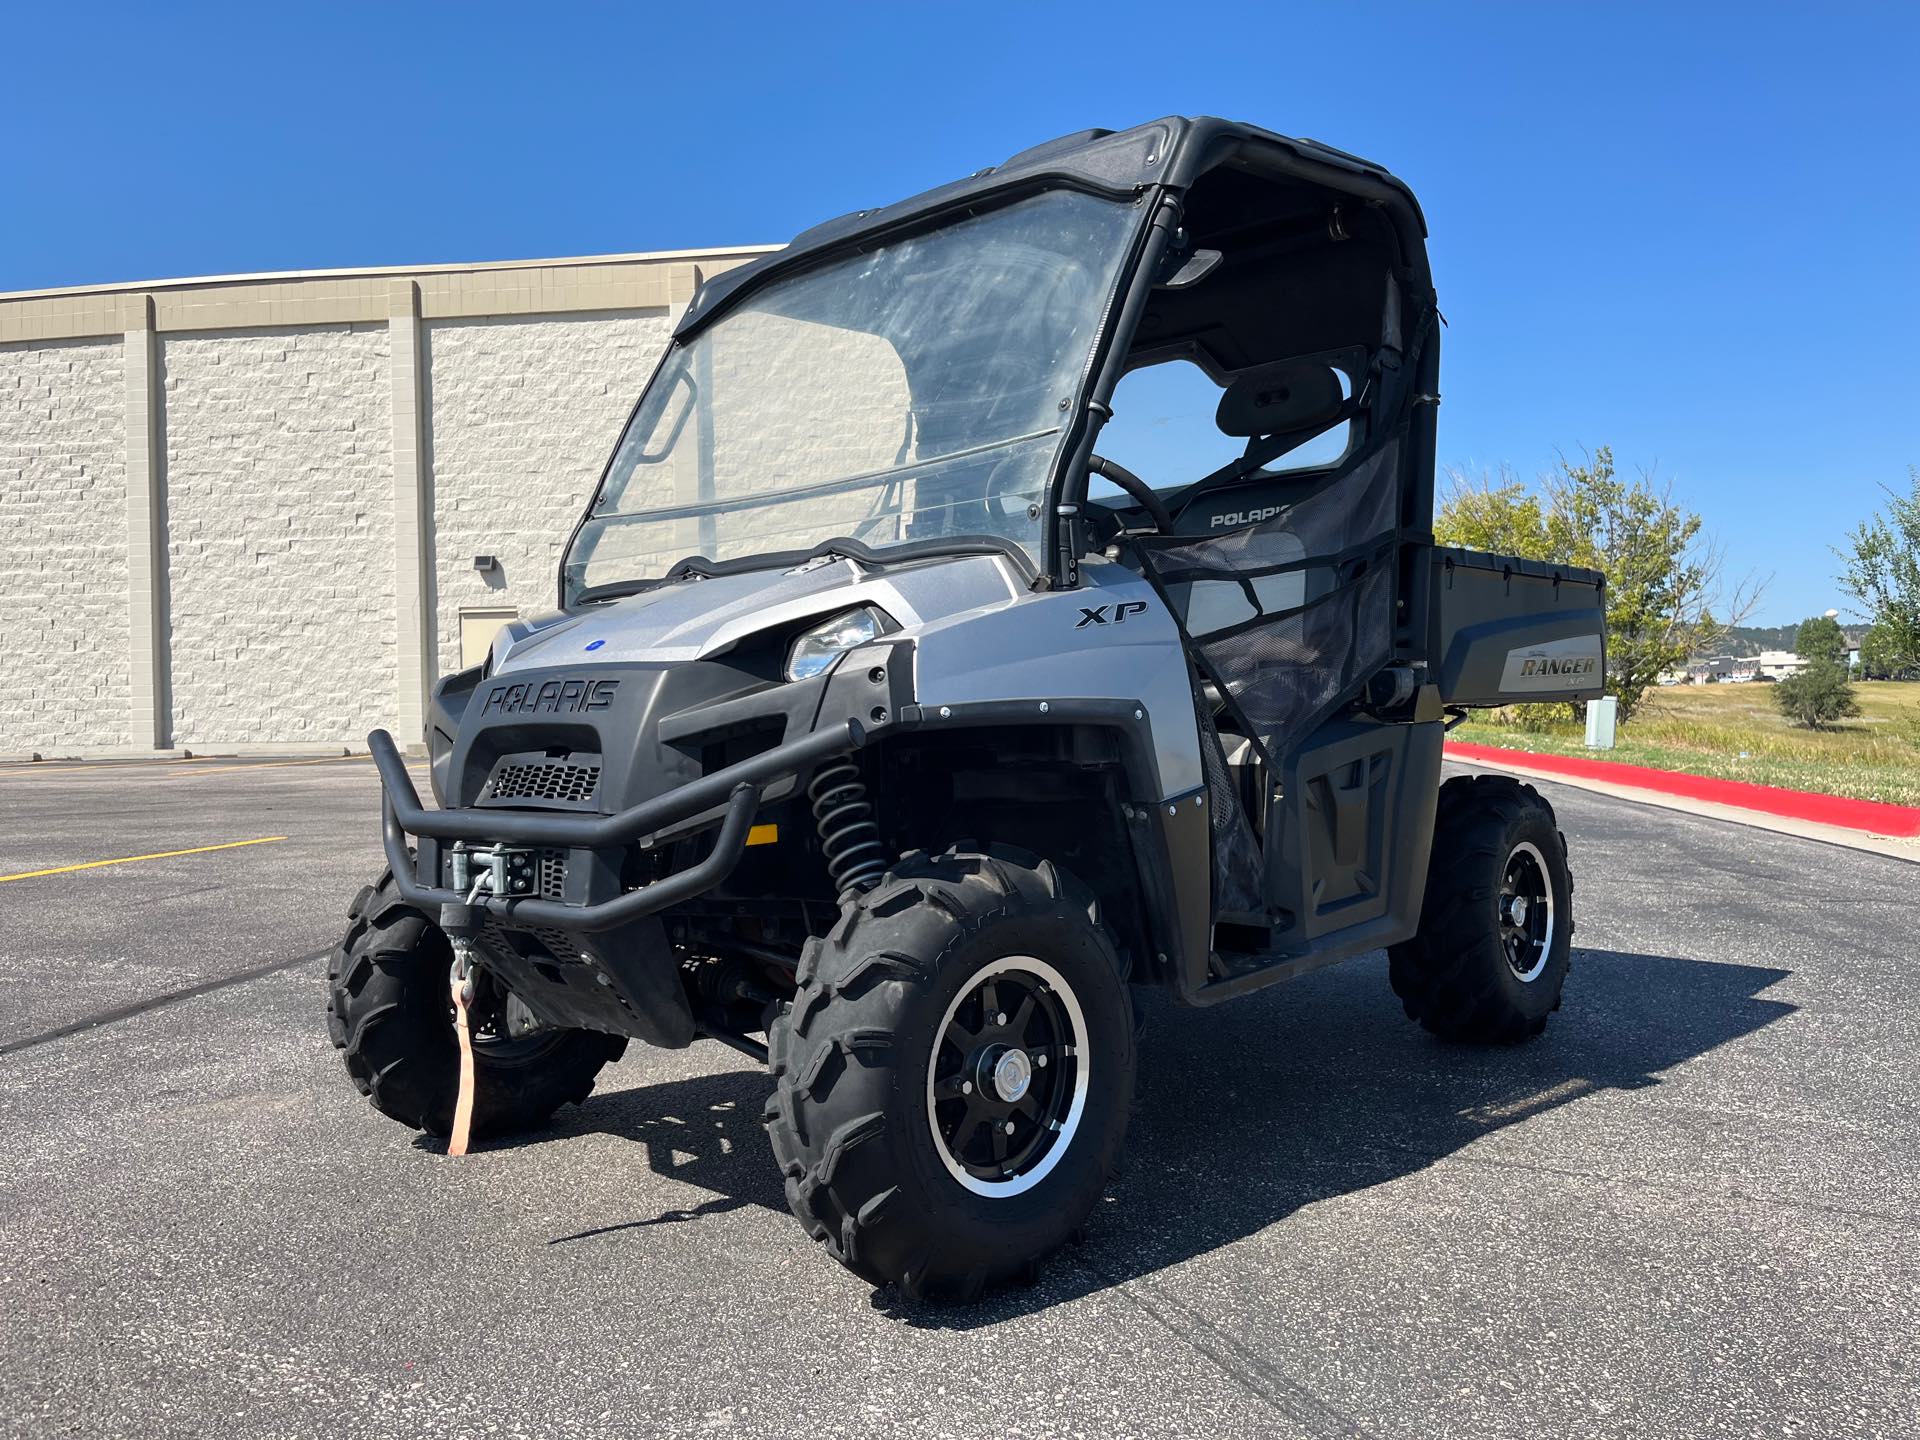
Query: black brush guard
{"x": 738, "y": 787}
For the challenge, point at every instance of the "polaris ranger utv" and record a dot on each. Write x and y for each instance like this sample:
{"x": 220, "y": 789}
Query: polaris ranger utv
{"x": 884, "y": 718}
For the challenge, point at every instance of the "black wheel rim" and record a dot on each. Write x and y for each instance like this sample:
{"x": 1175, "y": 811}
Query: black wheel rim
{"x": 1007, "y": 1082}
{"x": 1526, "y": 912}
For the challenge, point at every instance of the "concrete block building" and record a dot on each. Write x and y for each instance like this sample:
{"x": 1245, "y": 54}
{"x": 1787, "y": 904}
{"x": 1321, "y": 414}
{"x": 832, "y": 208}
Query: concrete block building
{"x": 263, "y": 512}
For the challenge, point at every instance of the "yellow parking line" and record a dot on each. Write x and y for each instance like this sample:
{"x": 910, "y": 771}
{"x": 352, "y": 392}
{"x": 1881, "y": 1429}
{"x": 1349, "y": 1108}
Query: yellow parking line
{"x": 129, "y": 859}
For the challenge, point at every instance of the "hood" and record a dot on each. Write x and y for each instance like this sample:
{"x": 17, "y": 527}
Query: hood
{"x": 698, "y": 618}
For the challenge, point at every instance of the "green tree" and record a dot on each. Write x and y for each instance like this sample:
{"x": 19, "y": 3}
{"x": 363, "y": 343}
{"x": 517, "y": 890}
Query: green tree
{"x": 1817, "y": 696}
{"x": 1882, "y": 653}
{"x": 1821, "y": 638}
{"x": 1882, "y": 572}
{"x": 1497, "y": 514}
{"x": 1663, "y": 571}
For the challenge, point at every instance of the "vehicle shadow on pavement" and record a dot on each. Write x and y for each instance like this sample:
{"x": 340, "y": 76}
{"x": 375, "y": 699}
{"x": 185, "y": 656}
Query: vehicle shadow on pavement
{"x": 703, "y": 1131}
{"x": 1250, "y": 1111}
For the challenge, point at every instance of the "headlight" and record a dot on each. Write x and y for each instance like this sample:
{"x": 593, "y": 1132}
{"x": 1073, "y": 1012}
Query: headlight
{"x": 819, "y": 647}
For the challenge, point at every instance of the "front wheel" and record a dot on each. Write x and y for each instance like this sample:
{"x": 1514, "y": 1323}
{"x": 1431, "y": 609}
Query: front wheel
{"x": 1496, "y": 927}
{"x": 954, "y": 1076}
{"x": 390, "y": 1015}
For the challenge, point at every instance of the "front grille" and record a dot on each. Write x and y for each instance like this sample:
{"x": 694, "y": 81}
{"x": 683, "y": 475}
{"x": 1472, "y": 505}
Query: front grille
{"x": 545, "y": 780}
{"x": 553, "y": 874}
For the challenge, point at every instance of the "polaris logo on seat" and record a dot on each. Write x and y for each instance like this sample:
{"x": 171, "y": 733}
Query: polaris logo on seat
{"x": 1236, "y": 518}
{"x": 549, "y": 697}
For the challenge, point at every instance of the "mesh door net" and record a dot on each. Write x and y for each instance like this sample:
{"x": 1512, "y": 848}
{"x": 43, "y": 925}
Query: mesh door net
{"x": 1287, "y": 616}
{"x": 1236, "y": 854}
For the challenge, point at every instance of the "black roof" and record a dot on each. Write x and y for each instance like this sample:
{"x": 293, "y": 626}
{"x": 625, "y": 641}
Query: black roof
{"x": 1173, "y": 152}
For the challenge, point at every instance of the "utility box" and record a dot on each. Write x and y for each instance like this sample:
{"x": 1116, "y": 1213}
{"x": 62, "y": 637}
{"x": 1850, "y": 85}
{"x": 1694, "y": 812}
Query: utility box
{"x": 1507, "y": 630}
{"x": 1602, "y": 716}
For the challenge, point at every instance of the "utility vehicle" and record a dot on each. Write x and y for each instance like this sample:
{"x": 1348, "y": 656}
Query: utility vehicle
{"x": 890, "y": 732}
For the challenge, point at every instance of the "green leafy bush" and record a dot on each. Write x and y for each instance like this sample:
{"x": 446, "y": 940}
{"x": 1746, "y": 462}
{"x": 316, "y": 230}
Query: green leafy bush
{"x": 1817, "y": 696}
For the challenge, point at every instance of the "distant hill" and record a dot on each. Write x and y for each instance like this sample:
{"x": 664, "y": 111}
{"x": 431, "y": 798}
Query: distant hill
{"x": 1752, "y": 639}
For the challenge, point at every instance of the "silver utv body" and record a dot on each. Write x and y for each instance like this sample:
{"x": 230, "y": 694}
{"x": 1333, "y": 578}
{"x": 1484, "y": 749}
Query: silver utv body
{"x": 1224, "y": 699}
{"x": 980, "y": 636}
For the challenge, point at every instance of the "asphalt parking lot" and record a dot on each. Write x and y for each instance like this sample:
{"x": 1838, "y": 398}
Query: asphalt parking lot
{"x": 1691, "y": 1209}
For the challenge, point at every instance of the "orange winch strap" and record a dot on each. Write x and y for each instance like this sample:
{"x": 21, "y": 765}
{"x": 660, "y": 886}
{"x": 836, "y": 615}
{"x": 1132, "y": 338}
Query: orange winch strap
{"x": 463, "y": 1102}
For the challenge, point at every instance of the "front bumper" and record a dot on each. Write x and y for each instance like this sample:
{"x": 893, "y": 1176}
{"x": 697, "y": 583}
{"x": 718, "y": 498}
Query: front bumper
{"x": 732, "y": 794}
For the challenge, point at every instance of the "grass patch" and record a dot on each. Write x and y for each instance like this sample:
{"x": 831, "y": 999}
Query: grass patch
{"x": 1734, "y": 732}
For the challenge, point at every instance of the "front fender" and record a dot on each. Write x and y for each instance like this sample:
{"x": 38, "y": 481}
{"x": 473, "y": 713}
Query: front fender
{"x": 1110, "y": 645}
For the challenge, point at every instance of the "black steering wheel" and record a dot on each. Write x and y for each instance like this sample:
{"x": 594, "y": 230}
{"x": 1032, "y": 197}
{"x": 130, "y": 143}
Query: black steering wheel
{"x": 1137, "y": 490}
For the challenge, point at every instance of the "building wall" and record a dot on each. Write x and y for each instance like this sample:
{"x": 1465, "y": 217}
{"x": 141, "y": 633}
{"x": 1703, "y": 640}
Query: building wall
{"x": 63, "y": 545}
{"x": 242, "y": 511}
{"x": 280, "y": 574}
{"x": 523, "y": 413}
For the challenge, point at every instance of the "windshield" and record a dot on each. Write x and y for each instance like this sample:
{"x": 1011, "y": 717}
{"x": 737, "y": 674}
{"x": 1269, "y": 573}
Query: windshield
{"x": 915, "y": 391}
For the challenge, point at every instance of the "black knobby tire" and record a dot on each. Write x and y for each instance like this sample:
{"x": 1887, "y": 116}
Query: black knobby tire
{"x": 852, "y": 1119}
{"x": 388, "y": 1011}
{"x": 1462, "y": 975}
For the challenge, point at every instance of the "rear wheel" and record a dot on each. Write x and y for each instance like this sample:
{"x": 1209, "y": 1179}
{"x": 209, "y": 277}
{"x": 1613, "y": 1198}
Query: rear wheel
{"x": 954, "y": 1076}
{"x": 389, "y": 1012}
{"x": 1496, "y": 927}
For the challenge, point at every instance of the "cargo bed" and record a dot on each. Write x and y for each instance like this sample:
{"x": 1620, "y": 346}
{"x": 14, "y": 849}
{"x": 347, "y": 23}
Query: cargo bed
{"x": 1507, "y": 630}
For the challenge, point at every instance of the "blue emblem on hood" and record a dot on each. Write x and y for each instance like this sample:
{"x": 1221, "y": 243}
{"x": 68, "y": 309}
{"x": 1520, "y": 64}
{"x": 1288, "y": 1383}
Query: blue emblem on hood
{"x": 595, "y": 644}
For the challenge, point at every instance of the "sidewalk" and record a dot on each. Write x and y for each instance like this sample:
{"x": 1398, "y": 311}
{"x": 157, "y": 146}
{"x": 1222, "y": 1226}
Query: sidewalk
{"x": 1859, "y": 824}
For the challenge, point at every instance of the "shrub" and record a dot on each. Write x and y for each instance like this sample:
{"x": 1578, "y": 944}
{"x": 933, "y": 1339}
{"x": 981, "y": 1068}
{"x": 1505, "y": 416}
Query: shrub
{"x": 1817, "y": 696}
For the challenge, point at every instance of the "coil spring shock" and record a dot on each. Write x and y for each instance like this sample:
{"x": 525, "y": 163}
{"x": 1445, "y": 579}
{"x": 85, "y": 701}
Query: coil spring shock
{"x": 849, "y": 838}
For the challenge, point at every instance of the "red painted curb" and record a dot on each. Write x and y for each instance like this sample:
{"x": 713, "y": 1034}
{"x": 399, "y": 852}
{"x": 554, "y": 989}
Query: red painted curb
{"x": 1872, "y": 816}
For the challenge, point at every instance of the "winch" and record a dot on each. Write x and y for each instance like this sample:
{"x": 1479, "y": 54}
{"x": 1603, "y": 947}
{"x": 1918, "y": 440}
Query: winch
{"x": 508, "y": 870}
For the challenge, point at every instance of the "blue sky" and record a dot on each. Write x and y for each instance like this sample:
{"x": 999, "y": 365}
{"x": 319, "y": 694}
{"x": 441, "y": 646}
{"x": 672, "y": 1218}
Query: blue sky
{"x": 1690, "y": 232}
